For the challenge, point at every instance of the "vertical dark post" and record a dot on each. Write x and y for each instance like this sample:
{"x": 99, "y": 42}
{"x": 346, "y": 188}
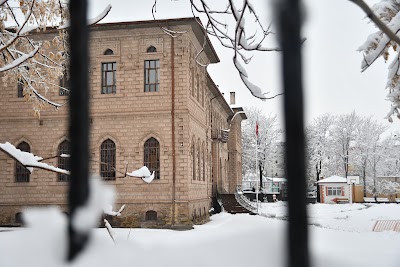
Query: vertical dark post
{"x": 289, "y": 32}
{"x": 260, "y": 171}
{"x": 79, "y": 119}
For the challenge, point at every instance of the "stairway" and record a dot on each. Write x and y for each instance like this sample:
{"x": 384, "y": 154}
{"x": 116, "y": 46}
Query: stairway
{"x": 231, "y": 205}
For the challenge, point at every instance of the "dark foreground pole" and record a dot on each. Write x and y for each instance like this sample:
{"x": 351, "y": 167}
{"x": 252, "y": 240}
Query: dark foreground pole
{"x": 289, "y": 33}
{"x": 78, "y": 121}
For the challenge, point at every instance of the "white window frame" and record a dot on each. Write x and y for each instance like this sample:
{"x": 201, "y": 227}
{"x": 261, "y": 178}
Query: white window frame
{"x": 334, "y": 191}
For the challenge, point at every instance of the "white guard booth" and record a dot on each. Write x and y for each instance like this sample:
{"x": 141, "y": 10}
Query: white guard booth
{"x": 335, "y": 189}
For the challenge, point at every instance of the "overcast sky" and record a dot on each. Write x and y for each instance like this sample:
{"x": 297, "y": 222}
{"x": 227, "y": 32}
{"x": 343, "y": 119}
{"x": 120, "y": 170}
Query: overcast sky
{"x": 333, "y": 81}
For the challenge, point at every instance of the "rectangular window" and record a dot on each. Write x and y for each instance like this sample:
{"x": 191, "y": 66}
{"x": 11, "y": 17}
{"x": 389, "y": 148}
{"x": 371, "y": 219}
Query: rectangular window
{"x": 152, "y": 75}
{"x": 64, "y": 85}
{"x": 108, "y": 78}
{"x": 334, "y": 191}
{"x": 20, "y": 89}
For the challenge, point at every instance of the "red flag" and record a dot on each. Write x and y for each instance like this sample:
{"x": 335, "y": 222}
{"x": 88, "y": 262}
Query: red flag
{"x": 257, "y": 129}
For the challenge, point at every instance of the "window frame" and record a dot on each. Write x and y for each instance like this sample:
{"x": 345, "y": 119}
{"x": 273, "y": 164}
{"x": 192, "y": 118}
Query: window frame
{"x": 22, "y": 175}
{"x": 148, "y": 85}
{"x": 151, "y": 49}
{"x": 149, "y": 152}
{"x": 150, "y": 216}
{"x": 334, "y": 191}
{"x": 63, "y": 163}
{"x": 193, "y": 160}
{"x": 64, "y": 82}
{"x": 20, "y": 89}
{"x": 108, "y": 160}
{"x": 105, "y": 70}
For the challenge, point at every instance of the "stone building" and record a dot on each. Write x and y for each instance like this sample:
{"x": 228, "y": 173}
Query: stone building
{"x": 151, "y": 104}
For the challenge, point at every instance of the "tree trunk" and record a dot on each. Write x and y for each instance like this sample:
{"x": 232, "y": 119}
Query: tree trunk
{"x": 260, "y": 168}
{"x": 365, "y": 182}
{"x": 318, "y": 173}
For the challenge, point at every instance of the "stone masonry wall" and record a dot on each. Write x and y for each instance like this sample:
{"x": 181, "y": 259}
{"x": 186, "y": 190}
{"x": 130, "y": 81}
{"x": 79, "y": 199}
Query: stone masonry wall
{"x": 129, "y": 117}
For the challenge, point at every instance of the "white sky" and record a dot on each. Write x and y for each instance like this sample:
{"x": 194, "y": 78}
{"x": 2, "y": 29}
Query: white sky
{"x": 333, "y": 81}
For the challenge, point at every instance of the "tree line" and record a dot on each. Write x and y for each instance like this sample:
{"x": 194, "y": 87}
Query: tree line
{"x": 343, "y": 145}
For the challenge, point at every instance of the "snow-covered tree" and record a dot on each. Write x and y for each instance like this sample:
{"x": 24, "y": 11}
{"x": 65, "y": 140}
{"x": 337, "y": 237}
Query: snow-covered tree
{"x": 382, "y": 187}
{"x": 37, "y": 64}
{"x": 386, "y": 15}
{"x": 369, "y": 134}
{"x": 268, "y": 141}
{"x": 391, "y": 163}
{"x": 319, "y": 147}
{"x": 344, "y": 134}
{"x": 237, "y": 26}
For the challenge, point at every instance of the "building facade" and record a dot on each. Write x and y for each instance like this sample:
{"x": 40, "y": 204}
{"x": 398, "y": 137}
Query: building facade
{"x": 151, "y": 104}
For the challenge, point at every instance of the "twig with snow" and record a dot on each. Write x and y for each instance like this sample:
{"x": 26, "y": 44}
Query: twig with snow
{"x": 110, "y": 230}
{"x": 28, "y": 160}
{"x": 238, "y": 41}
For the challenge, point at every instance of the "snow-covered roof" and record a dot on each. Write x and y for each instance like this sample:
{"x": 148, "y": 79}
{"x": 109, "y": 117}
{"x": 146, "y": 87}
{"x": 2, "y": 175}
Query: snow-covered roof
{"x": 333, "y": 179}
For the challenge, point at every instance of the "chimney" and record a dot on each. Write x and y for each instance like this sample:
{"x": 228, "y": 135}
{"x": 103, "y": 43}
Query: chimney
{"x": 232, "y": 98}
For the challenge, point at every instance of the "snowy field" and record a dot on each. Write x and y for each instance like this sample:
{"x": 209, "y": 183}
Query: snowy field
{"x": 340, "y": 235}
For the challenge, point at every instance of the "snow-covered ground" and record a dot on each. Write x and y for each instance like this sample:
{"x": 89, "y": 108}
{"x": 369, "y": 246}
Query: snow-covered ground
{"x": 340, "y": 235}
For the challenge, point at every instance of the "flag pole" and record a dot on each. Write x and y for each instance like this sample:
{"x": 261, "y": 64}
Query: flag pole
{"x": 257, "y": 185}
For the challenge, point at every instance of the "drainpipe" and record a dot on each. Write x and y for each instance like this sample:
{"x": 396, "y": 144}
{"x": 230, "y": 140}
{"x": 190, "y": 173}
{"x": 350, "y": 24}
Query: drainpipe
{"x": 215, "y": 175}
{"x": 173, "y": 126}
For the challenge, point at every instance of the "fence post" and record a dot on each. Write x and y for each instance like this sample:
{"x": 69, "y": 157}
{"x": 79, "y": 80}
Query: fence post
{"x": 289, "y": 33}
{"x": 78, "y": 121}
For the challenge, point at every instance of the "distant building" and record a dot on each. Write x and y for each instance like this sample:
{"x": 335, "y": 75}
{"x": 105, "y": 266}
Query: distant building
{"x": 336, "y": 189}
{"x": 138, "y": 117}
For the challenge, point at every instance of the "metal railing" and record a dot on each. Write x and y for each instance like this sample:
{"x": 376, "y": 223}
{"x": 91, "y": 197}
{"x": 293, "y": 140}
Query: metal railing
{"x": 244, "y": 201}
{"x": 289, "y": 35}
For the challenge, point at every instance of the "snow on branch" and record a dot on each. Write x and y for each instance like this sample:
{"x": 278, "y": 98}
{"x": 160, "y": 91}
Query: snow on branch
{"x": 108, "y": 210}
{"x": 19, "y": 60}
{"x": 36, "y": 65}
{"x": 386, "y": 16}
{"x": 110, "y": 230}
{"x": 143, "y": 173}
{"x": 236, "y": 28}
{"x": 28, "y": 160}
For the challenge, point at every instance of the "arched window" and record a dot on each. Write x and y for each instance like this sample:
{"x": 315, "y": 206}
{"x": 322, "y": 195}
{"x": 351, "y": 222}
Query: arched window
{"x": 203, "y": 93}
{"x": 194, "y": 159}
{"x": 152, "y": 156}
{"x": 21, "y": 174}
{"x": 107, "y": 160}
{"x": 108, "y": 52}
{"x": 151, "y": 215}
{"x": 65, "y": 83}
{"x": 196, "y": 87}
{"x": 198, "y": 160}
{"x": 20, "y": 88}
{"x": 151, "y": 49}
{"x": 204, "y": 162}
{"x": 198, "y": 97}
{"x": 63, "y": 152}
{"x": 192, "y": 78}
